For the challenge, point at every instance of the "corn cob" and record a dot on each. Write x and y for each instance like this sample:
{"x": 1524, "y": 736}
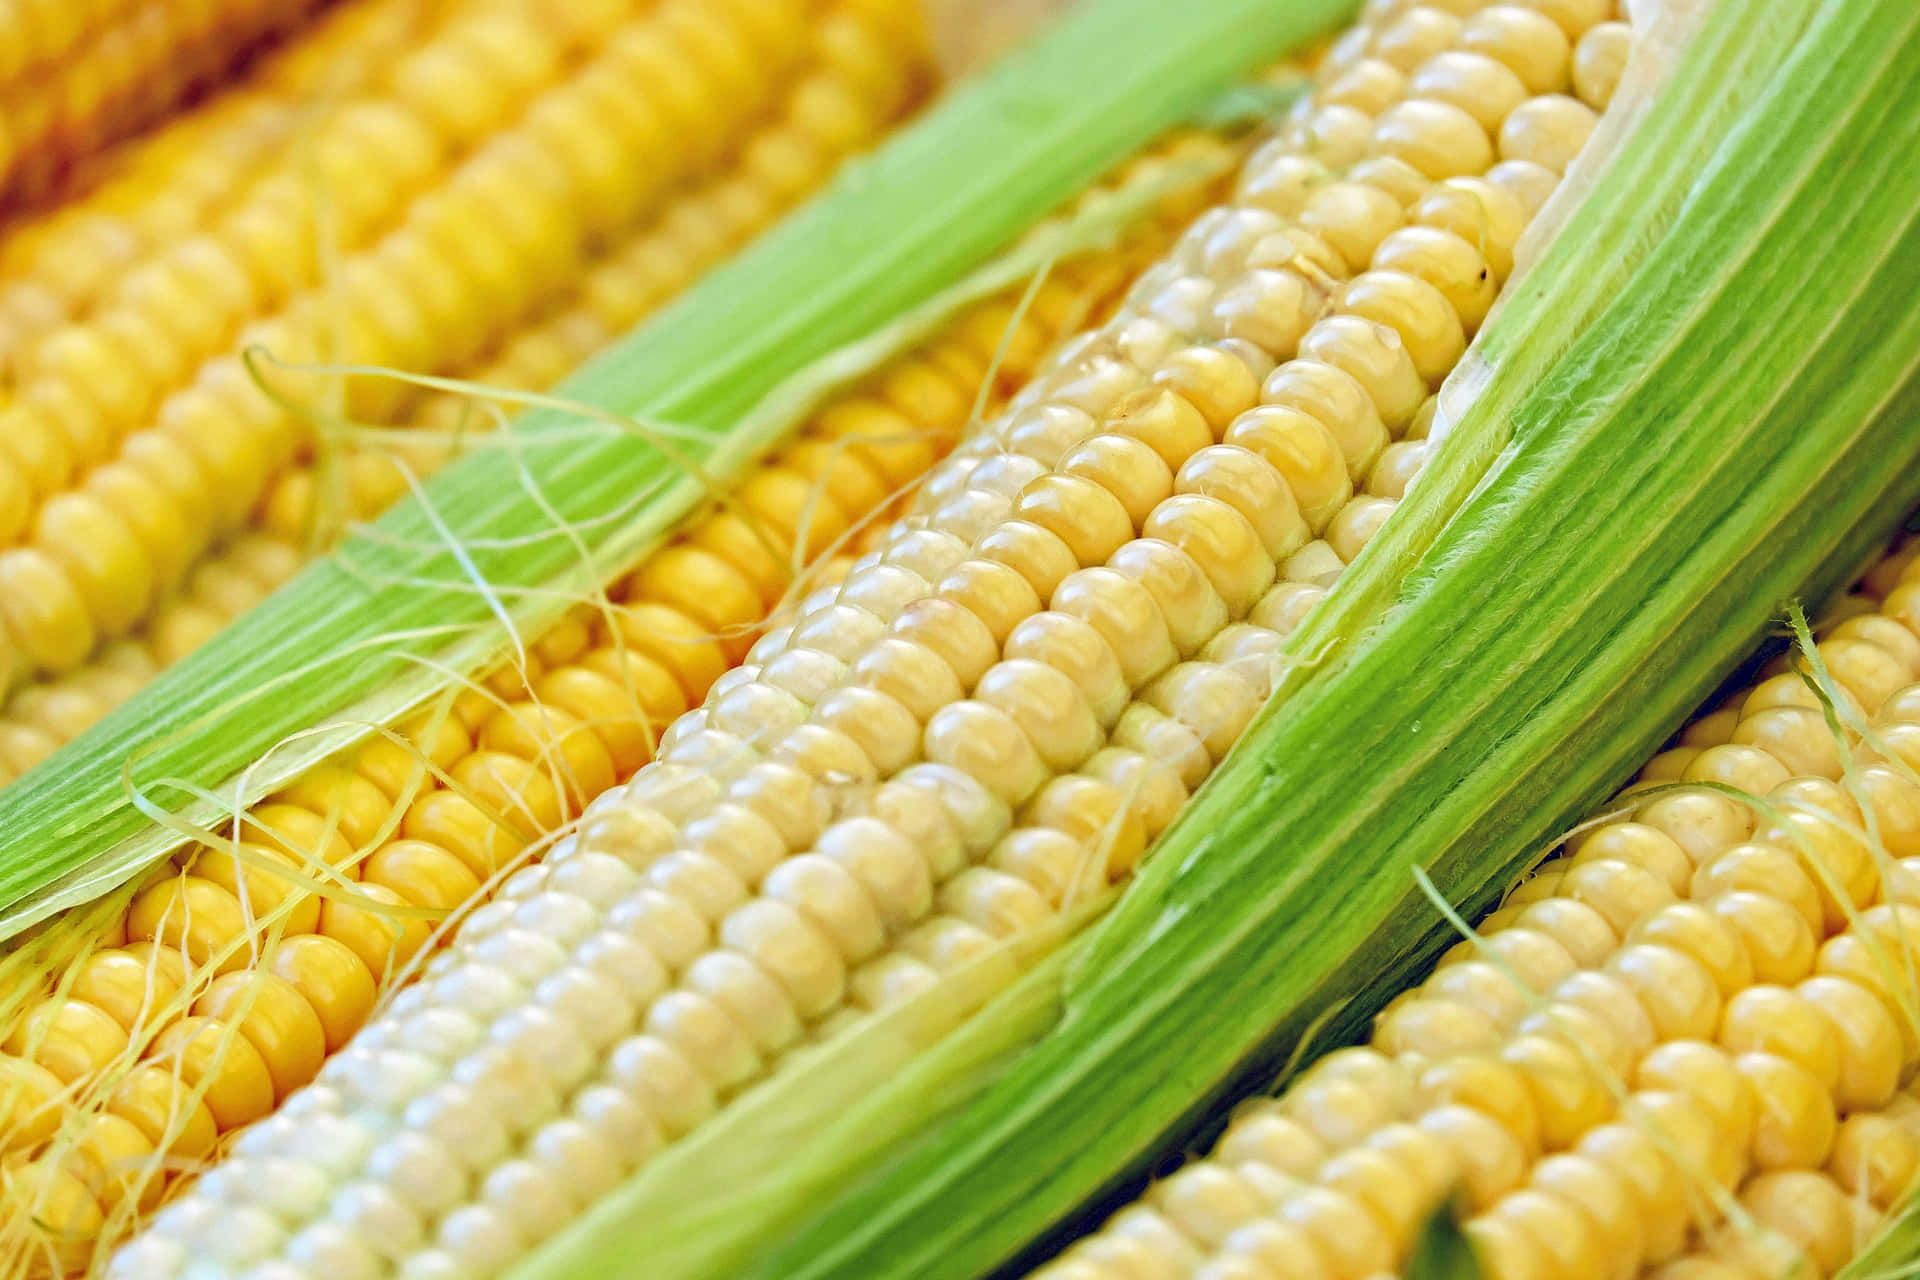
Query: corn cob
{"x": 866, "y": 77}
{"x": 1705, "y": 998}
{"x": 76, "y": 76}
{"x": 394, "y": 304}
{"x": 165, "y": 185}
{"x": 840, "y": 821}
{"x": 582, "y": 714}
{"x": 44, "y": 716}
{"x": 158, "y": 324}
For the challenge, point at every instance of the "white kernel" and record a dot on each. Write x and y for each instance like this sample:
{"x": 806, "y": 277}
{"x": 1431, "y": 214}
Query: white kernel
{"x": 433, "y": 1264}
{"x": 597, "y": 878}
{"x": 629, "y": 964}
{"x": 719, "y": 755}
{"x": 455, "y": 1116}
{"x": 480, "y": 1240}
{"x": 594, "y": 1006}
{"x": 526, "y": 1195}
{"x": 481, "y": 991}
{"x": 577, "y": 1158}
{"x": 325, "y": 1250}
{"x": 421, "y": 1171}
{"x": 148, "y": 1256}
{"x": 666, "y": 925}
{"x": 661, "y": 1080}
{"x": 559, "y": 916}
{"x": 675, "y": 791}
{"x": 332, "y": 1144}
{"x": 791, "y": 949}
{"x": 885, "y": 863}
{"x": 373, "y": 1213}
{"x": 749, "y": 996}
{"x": 804, "y": 673}
{"x": 624, "y": 1122}
{"x": 509, "y": 1083}
{"x": 447, "y": 1033}
{"x": 547, "y": 1038}
{"x": 705, "y": 1035}
{"x": 528, "y": 880}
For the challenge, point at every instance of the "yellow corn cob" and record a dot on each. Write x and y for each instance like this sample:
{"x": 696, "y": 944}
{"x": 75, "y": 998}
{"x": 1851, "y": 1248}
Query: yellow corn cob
{"x": 84, "y": 386}
{"x": 77, "y": 74}
{"x": 996, "y": 709}
{"x": 1701, "y": 999}
{"x": 166, "y": 185}
{"x": 868, "y": 70}
{"x": 426, "y": 823}
{"x": 862, "y": 80}
{"x": 44, "y": 716}
{"x": 423, "y": 295}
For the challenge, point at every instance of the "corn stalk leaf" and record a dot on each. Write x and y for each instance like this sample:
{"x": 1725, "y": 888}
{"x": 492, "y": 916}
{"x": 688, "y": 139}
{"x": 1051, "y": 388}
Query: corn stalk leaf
{"x": 518, "y": 541}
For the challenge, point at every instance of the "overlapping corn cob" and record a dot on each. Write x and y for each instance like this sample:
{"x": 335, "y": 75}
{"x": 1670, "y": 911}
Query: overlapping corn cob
{"x": 489, "y": 194}
{"x": 77, "y": 74}
{"x": 422, "y": 819}
{"x": 866, "y": 68}
{"x": 995, "y": 711}
{"x": 1681, "y": 1043}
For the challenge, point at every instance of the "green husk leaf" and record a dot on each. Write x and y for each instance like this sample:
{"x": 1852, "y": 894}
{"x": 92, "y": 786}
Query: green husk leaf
{"x": 1722, "y": 412}
{"x": 707, "y": 1204}
{"x": 1442, "y": 1251}
{"x": 1894, "y": 1253}
{"x": 400, "y": 609}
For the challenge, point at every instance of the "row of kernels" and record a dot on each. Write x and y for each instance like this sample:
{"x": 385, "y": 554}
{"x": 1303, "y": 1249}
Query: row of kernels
{"x": 41, "y": 717}
{"x": 123, "y": 76}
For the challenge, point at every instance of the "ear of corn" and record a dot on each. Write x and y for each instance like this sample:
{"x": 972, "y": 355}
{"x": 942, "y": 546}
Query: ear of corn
{"x": 1683, "y": 1043}
{"x": 1194, "y": 978}
{"x": 513, "y": 763}
{"x": 799, "y": 940}
{"x": 918, "y": 781}
{"x": 708, "y": 359}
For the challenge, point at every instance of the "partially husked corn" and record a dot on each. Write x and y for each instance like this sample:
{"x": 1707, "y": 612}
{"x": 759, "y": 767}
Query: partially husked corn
{"x": 508, "y": 220}
{"x": 1704, "y": 998}
{"x": 1700, "y": 999}
{"x": 78, "y": 74}
{"x": 423, "y": 818}
{"x": 992, "y": 714}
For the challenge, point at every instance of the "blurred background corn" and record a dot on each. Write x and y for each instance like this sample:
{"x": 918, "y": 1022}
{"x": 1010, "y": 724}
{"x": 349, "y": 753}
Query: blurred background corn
{"x": 78, "y": 74}
{"x": 865, "y": 64}
{"x": 867, "y": 68}
{"x": 226, "y": 988}
{"x": 488, "y": 196}
{"x": 164, "y": 186}
{"x": 994, "y": 713}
